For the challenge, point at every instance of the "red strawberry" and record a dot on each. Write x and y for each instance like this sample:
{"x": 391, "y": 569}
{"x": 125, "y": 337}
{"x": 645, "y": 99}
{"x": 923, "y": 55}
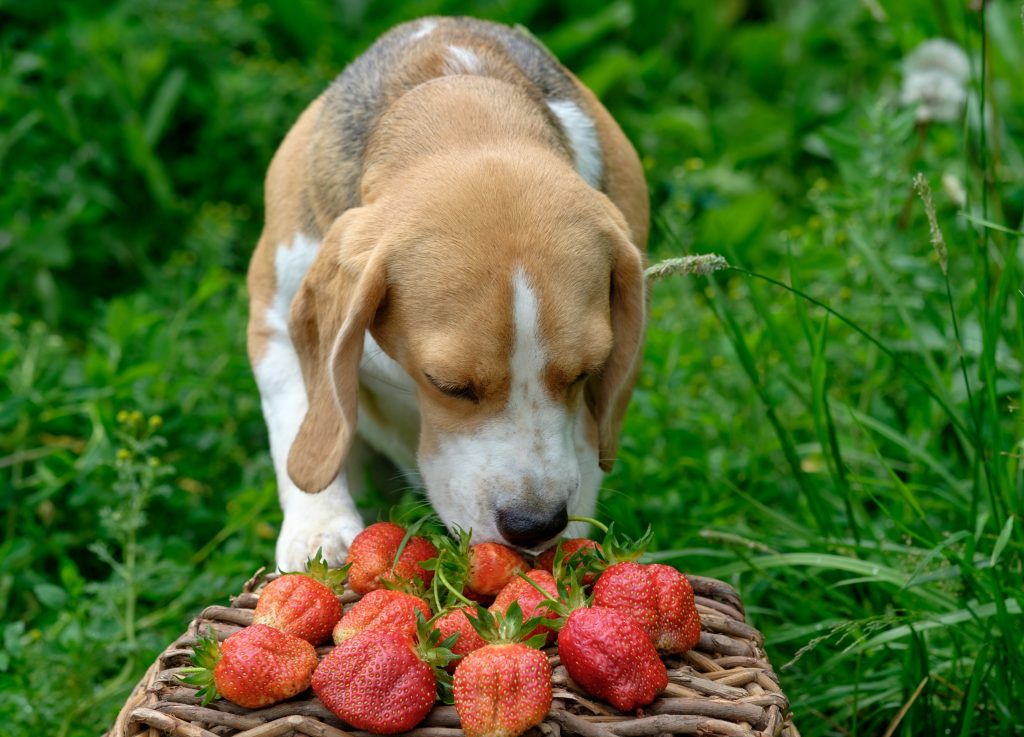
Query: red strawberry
{"x": 383, "y": 609}
{"x": 303, "y": 604}
{"x": 255, "y": 667}
{"x": 503, "y": 688}
{"x": 657, "y": 597}
{"x": 457, "y": 622}
{"x": 373, "y": 551}
{"x": 491, "y": 567}
{"x": 383, "y": 682}
{"x": 611, "y": 658}
{"x": 546, "y": 560}
{"x": 528, "y": 597}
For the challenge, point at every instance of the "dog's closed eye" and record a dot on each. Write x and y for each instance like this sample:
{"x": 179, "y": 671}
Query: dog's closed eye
{"x": 454, "y": 389}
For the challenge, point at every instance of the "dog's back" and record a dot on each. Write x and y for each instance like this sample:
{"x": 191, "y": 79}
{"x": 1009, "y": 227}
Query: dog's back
{"x": 416, "y": 52}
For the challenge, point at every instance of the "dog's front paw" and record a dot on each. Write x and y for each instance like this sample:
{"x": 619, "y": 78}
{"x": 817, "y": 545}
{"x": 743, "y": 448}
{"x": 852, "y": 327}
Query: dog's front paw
{"x": 304, "y": 532}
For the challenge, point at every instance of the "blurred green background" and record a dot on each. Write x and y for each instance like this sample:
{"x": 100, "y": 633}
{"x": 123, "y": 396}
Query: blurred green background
{"x": 856, "y": 474}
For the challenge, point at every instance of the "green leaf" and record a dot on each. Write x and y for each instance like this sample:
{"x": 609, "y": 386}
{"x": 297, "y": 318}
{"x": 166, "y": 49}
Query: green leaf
{"x": 163, "y": 104}
{"x": 49, "y": 595}
{"x": 1004, "y": 537}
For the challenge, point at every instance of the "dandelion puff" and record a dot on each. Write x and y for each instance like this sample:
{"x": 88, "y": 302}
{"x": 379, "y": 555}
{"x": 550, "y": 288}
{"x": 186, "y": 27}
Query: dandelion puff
{"x": 935, "y": 77}
{"x": 699, "y": 265}
{"x": 938, "y": 242}
{"x": 954, "y": 189}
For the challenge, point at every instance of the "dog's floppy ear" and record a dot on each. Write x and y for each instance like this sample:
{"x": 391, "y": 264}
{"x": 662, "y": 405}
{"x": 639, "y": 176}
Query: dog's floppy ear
{"x": 335, "y": 305}
{"x": 608, "y": 392}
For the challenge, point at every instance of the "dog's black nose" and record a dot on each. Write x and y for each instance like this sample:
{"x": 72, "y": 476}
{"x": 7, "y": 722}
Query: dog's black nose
{"x": 526, "y": 528}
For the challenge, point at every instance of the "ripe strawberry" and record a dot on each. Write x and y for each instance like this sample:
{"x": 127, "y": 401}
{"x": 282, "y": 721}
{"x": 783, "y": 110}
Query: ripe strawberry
{"x": 529, "y": 598}
{"x": 570, "y": 548}
{"x": 611, "y": 658}
{"x": 255, "y": 667}
{"x": 457, "y": 622}
{"x": 503, "y": 688}
{"x": 491, "y": 567}
{"x": 303, "y": 604}
{"x": 657, "y": 597}
{"x": 373, "y": 552}
{"x": 383, "y": 682}
{"x": 383, "y": 609}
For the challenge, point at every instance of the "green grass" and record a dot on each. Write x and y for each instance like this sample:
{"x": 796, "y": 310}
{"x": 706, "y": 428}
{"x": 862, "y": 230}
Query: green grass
{"x": 833, "y": 426}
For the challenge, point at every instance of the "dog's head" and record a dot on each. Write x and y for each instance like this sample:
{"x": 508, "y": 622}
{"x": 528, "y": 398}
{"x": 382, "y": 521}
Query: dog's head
{"x": 510, "y": 292}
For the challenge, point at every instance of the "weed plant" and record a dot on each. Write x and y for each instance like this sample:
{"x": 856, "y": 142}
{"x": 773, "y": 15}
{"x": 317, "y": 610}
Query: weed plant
{"x": 833, "y": 425}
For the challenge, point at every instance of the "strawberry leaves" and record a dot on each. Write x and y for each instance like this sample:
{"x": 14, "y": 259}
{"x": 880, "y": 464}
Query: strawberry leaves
{"x": 204, "y": 660}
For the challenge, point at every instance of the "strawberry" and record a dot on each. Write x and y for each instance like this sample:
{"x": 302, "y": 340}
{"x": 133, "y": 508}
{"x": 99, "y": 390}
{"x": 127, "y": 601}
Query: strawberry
{"x": 603, "y": 650}
{"x": 477, "y": 572}
{"x": 610, "y": 657}
{"x": 383, "y": 609}
{"x": 570, "y": 548}
{"x": 382, "y": 682}
{"x": 503, "y": 688}
{"x": 457, "y": 621}
{"x": 491, "y": 567}
{"x": 303, "y": 604}
{"x": 255, "y": 667}
{"x": 372, "y": 557}
{"x": 528, "y": 597}
{"x": 657, "y": 597}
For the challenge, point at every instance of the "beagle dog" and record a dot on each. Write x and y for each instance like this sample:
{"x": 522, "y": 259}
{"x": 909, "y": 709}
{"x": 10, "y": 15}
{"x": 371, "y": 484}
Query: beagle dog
{"x": 453, "y": 254}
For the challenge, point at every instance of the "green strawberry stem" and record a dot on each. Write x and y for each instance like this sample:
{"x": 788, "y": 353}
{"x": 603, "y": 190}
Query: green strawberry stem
{"x": 591, "y": 521}
{"x": 204, "y": 659}
{"x": 439, "y": 573}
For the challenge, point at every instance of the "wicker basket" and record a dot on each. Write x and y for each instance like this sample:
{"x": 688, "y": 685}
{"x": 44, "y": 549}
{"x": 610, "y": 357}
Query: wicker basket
{"x": 725, "y": 687}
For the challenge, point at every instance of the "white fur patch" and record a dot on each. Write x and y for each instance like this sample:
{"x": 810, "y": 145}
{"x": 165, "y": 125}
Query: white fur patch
{"x": 290, "y": 264}
{"x": 532, "y": 454}
{"x": 328, "y": 520}
{"x": 462, "y": 61}
{"x": 582, "y": 134}
{"x": 425, "y": 28}
{"x": 394, "y": 394}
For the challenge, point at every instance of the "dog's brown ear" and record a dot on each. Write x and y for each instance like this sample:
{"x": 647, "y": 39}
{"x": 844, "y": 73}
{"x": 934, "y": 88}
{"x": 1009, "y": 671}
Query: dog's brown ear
{"x": 335, "y": 305}
{"x": 608, "y": 392}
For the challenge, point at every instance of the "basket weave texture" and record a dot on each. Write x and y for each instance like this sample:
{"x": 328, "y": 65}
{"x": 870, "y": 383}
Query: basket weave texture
{"x": 725, "y": 687}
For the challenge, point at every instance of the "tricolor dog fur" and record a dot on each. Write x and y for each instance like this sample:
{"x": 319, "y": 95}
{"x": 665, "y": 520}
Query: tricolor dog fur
{"x": 451, "y": 268}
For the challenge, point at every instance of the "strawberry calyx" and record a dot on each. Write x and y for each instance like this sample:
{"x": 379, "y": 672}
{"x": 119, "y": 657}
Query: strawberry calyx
{"x": 617, "y": 548}
{"x": 204, "y": 659}
{"x": 571, "y": 596}
{"x": 332, "y": 578}
{"x": 412, "y": 585}
{"x": 436, "y": 653}
{"x": 586, "y": 559}
{"x": 508, "y": 629}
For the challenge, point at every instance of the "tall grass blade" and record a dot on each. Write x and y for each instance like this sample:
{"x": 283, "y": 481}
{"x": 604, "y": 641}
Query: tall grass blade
{"x": 899, "y": 363}
{"x": 821, "y": 516}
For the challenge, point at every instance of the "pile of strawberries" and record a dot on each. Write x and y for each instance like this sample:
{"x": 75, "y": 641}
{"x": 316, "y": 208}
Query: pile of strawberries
{"x": 420, "y": 632}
